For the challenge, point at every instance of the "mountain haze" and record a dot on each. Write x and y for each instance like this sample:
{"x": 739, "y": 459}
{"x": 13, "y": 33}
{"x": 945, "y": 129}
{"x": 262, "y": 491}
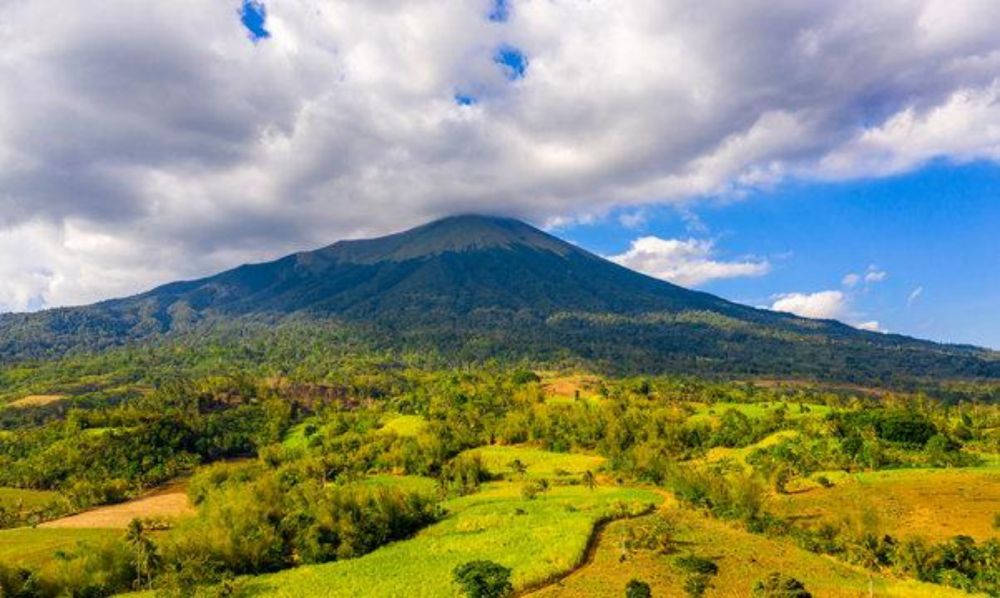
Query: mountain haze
{"x": 475, "y": 287}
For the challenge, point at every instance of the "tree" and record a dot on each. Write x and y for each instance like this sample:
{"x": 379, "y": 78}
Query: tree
{"x": 637, "y": 589}
{"x": 777, "y": 585}
{"x": 483, "y": 579}
{"x": 143, "y": 553}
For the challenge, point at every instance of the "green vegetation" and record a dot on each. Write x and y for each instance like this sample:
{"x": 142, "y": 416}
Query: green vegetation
{"x": 536, "y": 539}
{"x": 312, "y": 468}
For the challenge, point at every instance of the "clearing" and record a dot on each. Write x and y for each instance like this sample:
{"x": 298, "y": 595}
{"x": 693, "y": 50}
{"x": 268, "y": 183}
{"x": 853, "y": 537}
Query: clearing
{"x": 33, "y": 547}
{"x": 36, "y": 401}
{"x": 169, "y": 502}
{"x": 742, "y": 559}
{"x": 933, "y": 503}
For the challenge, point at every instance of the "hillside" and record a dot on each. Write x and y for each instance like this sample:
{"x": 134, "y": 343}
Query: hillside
{"x": 478, "y": 287}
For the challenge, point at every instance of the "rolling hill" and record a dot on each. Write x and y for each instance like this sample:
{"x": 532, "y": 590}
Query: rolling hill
{"x": 478, "y": 287}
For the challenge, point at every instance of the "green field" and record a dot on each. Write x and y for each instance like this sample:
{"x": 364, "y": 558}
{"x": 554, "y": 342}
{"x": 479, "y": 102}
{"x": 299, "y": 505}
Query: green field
{"x": 10, "y": 498}
{"x": 537, "y": 539}
{"x": 708, "y": 412}
{"x": 29, "y": 547}
{"x": 540, "y": 463}
{"x": 405, "y": 425}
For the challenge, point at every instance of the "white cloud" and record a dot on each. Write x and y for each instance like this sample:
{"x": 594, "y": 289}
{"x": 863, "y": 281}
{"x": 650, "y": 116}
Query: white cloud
{"x": 914, "y": 295}
{"x": 871, "y": 326}
{"x": 851, "y": 280}
{"x": 159, "y": 130}
{"x": 685, "y": 262}
{"x": 824, "y": 305}
{"x": 874, "y": 274}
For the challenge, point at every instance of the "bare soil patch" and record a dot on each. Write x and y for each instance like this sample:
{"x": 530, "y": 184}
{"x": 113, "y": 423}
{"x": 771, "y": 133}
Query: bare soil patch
{"x": 170, "y": 502}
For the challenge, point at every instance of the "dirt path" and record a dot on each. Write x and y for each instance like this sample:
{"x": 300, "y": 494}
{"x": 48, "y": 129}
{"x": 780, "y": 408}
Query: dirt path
{"x": 168, "y": 502}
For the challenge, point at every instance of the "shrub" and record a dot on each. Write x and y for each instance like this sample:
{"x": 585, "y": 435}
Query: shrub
{"x": 483, "y": 579}
{"x": 777, "y": 585}
{"x": 696, "y": 585}
{"x": 693, "y": 563}
{"x": 637, "y": 589}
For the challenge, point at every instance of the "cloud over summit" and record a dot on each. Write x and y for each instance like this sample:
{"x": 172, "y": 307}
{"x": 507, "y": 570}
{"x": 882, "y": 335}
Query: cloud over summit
{"x": 159, "y": 133}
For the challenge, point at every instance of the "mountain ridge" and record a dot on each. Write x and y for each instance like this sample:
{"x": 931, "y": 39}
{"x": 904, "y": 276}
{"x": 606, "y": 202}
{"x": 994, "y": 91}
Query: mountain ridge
{"x": 484, "y": 286}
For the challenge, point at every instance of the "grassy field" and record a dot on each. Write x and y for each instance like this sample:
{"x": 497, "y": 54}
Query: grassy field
{"x": 537, "y": 538}
{"x": 10, "y": 498}
{"x": 540, "y": 463}
{"x": 933, "y": 503}
{"x": 739, "y": 455}
{"x": 742, "y": 559}
{"x": 570, "y": 388}
{"x": 710, "y": 412}
{"x": 405, "y": 425}
{"x": 170, "y": 502}
{"x": 30, "y": 547}
{"x": 296, "y": 437}
{"x": 35, "y": 401}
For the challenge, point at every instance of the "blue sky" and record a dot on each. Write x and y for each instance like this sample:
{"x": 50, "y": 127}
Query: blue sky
{"x": 934, "y": 232}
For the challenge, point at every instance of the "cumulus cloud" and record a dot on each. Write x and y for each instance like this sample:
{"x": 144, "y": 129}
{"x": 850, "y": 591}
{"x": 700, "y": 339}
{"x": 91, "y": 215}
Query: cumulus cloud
{"x": 871, "y": 326}
{"x": 170, "y": 142}
{"x": 685, "y": 262}
{"x": 825, "y": 305}
{"x": 851, "y": 280}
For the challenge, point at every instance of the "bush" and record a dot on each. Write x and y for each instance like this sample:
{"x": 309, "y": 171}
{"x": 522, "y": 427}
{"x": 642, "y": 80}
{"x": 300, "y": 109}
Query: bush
{"x": 693, "y": 563}
{"x": 777, "y": 585}
{"x": 637, "y": 589}
{"x": 483, "y": 579}
{"x": 696, "y": 585}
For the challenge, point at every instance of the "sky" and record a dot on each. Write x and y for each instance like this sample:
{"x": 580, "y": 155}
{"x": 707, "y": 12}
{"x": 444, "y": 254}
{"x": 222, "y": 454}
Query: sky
{"x": 833, "y": 159}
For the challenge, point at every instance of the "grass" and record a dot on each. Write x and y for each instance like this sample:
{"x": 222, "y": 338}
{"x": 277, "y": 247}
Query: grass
{"x": 170, "y": 502}
{"x": 36, "y": 401}
{"x": 570, "y": 388}
{"x": 296, "y": 437}
{"x": 711, "y": 412}
{"x": 739, "y": 455}
{"x": 538, "y": 539}
{"x": 405, "y": 425}
{"x": 540, "y": 463}
{"x": 33, "y": 547}
{"x": 742, "y": 559}
{"x": 28, "y": 499}
{"x": 933, "y": 503}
